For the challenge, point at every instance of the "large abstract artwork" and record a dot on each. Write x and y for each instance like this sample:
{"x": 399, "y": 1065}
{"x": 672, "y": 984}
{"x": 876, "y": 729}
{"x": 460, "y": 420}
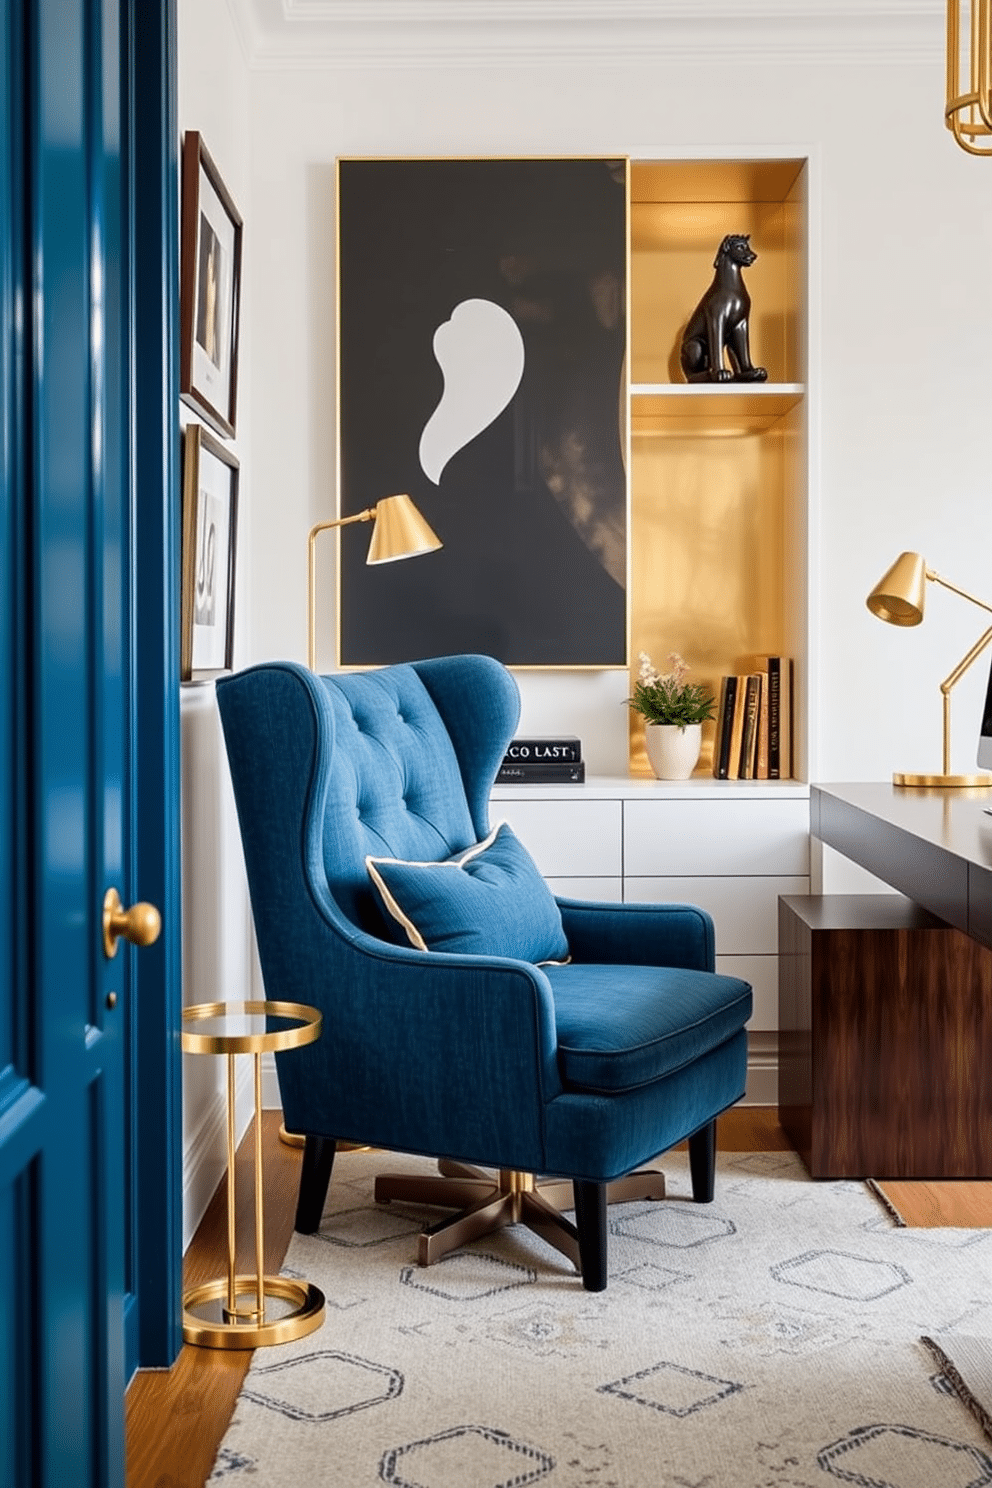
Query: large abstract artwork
{"x": 482, "y": 346}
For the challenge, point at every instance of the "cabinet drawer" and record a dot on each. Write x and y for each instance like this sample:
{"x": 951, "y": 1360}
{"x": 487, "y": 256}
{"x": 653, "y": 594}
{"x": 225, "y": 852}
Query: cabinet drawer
{"x": 600, "y": 890}
{"x": 762, "y": 973}
{"x": 744, "y": 910}
{"x": 567, "y": 839}
{"x": 693, "y": 838}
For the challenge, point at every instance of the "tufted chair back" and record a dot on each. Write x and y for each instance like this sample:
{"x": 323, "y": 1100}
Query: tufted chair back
{"x": 398, "y": 763}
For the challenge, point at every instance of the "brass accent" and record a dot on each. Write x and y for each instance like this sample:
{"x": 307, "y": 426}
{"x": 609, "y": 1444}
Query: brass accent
{"x": 239, "y": 1325}
{"x": 486, "y": 1204}
{"x": 111, "y": 1000}
{"x": 291, "y": 1139}
{"x": 899, "y": 598}
{"x": 943, "y": 782}
{"x": 266, "y": 1041}
{"x": 243, "y": 1331}
{"x": 140, "y": 925}
{"x": 968, "y": 110}
{"x": 399, "y": 532}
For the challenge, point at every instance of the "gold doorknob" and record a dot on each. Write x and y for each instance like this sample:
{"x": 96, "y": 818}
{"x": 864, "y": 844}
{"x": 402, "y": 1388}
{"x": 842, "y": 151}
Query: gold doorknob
{"x": 141, "y": 924}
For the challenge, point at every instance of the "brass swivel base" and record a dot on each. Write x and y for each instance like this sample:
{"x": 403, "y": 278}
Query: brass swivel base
{"x": 486, "y": 1204}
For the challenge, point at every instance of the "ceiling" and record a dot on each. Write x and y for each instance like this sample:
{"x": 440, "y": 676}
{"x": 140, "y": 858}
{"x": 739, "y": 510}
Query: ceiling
{"x": 410, "y": 33}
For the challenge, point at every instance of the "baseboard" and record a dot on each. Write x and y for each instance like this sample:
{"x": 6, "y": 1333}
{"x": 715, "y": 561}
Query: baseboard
{"x": 205, "y": 1153}
{"x": 762, "y": 1070}
{"x": 271, "y": 1097}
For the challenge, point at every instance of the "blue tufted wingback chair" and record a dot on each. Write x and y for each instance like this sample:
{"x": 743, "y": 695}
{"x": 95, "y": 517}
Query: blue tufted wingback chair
{"x": 581, "y": 1071}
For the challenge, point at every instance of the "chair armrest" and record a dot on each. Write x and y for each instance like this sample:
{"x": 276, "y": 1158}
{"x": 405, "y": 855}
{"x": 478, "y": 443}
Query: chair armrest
{"x": 639, "y": 934}
{"x": 463, "y": 1062}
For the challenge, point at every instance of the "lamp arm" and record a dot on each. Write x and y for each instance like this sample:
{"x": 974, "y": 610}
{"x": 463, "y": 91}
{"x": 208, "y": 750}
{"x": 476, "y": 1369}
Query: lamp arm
{"x": 368, "y": 515}
{"x": 949, "y": 681}
{"x": 937, "y": 578}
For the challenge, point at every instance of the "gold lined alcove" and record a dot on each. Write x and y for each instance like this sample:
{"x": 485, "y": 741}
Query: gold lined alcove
{"x": 716, "y": 471}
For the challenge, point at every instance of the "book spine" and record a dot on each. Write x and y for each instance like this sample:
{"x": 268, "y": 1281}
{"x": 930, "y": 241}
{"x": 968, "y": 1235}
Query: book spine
{"x": 737, "y": 730}
{"x": 541, "y": 751}
{"x": 774, "y": 718}
{"x": 749, "y": 734}
{"x": 724, "y": 726}
{"x": 761, "y": 753}
{"x": 548, "y": 772}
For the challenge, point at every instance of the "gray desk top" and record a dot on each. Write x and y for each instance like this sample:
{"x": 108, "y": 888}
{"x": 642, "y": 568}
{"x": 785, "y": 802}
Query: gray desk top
{"x": 935, "y": 846}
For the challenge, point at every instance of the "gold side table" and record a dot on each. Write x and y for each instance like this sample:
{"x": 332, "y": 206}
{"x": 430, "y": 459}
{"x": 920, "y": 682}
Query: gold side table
{"x": 249, "y": 1311}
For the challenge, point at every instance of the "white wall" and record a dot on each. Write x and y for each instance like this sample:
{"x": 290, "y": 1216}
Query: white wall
{"x": 217, "y": 952}
{"x": 905, "y": 316}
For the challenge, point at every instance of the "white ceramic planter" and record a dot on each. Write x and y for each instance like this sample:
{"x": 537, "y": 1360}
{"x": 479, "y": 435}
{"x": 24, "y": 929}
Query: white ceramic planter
{"x": 673, "y": 751}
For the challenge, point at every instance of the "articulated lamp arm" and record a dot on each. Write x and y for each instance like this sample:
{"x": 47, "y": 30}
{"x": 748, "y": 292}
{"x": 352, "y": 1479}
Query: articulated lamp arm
{"x": 963, "y": 664}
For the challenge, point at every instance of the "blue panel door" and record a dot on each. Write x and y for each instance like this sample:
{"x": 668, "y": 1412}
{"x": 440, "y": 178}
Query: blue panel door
{"x": 72, "y": 447}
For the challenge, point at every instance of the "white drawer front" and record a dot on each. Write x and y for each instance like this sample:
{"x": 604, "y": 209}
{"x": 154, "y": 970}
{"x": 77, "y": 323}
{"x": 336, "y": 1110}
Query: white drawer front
{"x": 567, "y": 839}
{"x": 762, "y": 973}
{"x": 716, "y": 837}
{"x": 602, "y": 890}
{"x": 744, "y": 910}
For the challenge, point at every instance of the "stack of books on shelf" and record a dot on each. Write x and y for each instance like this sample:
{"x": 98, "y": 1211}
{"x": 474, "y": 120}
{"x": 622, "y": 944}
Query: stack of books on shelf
{"x": 754, "y": 721}
{"x": 543, "y": 762}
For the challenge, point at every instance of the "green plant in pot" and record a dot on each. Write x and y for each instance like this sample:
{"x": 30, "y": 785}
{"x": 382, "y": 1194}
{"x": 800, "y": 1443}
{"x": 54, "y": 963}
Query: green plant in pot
{"x": 674, "y": 711}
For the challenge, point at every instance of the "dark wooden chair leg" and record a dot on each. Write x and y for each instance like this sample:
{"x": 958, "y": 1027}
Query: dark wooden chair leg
{"x": 590, "y": 1221}
{"x": 318, "y": 1160}
{"x": 702, "y": 1162}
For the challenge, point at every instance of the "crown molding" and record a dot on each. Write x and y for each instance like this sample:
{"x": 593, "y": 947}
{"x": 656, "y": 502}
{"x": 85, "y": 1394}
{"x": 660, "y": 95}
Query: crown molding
{"x": 497, "y": 33}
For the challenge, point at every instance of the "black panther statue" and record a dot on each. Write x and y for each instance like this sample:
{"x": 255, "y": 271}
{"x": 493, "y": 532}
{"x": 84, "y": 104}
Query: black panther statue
{"x": 720, "y": 321}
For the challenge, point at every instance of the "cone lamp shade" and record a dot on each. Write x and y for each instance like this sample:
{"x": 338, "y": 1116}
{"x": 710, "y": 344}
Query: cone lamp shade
{"x": 399, "y": 531}
{"x": 899, "y": 598}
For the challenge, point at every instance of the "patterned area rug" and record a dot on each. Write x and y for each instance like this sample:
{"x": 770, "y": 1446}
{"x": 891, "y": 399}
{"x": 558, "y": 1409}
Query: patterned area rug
{"x": 772, "y": 1339}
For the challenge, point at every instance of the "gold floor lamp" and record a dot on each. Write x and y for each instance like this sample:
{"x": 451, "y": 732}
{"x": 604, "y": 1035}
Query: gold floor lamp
{"x": 899, "y": 598}
{"x": 399, "y": 532}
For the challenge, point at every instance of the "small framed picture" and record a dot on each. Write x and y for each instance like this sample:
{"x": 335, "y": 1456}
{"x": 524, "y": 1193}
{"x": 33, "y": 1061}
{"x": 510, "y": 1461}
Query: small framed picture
{"x": 210, "y": 525}
{"x": 210, "y": 290}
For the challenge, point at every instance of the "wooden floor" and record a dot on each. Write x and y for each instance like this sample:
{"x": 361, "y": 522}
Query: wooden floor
{"x": 176, "y": 1418}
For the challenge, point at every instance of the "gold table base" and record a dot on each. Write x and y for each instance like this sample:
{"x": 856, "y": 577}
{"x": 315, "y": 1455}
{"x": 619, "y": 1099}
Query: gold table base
{"x": 487, "y": 1204}
{"x": 251, "y": 1326}
{"x": 235, "y": 1311}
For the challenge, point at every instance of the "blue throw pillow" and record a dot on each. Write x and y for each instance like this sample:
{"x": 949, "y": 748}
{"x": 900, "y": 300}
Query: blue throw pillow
{"x": 487, "y": 901}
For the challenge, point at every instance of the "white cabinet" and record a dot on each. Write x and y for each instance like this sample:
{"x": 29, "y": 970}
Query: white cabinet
{"x": 730, "y": 847}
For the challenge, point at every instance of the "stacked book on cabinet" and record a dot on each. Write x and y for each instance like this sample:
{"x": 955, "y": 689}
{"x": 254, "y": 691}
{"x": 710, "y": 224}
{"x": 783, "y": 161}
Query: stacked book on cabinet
{"x": 754, "y": 721}
{"x": 543, "y": 762}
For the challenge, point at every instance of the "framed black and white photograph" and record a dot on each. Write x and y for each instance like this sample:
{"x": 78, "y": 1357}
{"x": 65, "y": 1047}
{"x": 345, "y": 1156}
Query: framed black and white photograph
{"x": 481, "y": 369}
{"x": 210, "y": 524}
{"x": 210, "y": 290}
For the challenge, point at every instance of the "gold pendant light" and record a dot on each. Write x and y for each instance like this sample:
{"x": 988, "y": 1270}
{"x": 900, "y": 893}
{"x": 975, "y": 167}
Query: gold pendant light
{"x": 969, "y": 74}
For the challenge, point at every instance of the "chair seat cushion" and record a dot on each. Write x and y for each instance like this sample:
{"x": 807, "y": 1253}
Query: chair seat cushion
{"x": 487, "y": 901}
{"x": 624, "y": 1026}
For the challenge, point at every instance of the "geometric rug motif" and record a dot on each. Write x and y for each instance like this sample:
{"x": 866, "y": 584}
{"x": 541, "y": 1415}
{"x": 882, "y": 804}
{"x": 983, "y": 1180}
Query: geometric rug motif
{"x": 771, "y": 1339}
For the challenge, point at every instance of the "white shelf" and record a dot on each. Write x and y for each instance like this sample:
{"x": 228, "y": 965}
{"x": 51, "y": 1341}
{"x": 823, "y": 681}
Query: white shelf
{"x": 642, "y": 787}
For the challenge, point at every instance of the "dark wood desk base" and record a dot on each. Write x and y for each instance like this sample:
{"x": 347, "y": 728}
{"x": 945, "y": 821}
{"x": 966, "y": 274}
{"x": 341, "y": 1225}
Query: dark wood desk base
{"x": 885, "y": 1039}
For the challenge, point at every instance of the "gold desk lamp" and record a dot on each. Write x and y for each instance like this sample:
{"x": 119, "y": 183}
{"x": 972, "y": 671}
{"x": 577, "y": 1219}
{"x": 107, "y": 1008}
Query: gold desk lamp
{"x": 399, "y": 532}
{"x": 899, "y": 597}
